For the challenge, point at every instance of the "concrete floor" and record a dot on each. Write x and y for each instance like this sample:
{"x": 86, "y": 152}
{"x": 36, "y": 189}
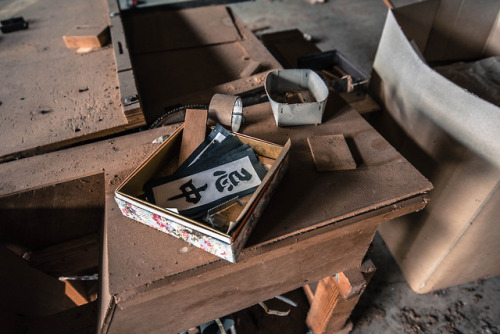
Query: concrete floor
{"x": 352, "y": 27}
{"x": 388, "y": 305}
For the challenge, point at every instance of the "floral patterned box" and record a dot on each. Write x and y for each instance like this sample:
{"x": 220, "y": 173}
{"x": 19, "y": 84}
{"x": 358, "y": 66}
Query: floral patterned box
{"x": 130, "y": 198}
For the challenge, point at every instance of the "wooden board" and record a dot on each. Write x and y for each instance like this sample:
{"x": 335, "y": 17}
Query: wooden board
{"x": 162, "y": 30}
{"x": 52, "y": 96}
{"x": 165, "y": 75}
{"x": 74, "y": 291}
{"x": 331, "y": 153}
{"x": 196, "y": 65}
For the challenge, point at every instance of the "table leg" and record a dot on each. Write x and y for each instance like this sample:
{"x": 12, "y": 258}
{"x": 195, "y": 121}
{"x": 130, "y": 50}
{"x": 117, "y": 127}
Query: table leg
{"x": 335, "y": 297}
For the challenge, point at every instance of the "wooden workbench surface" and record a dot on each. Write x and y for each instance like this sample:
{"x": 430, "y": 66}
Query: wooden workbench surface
{"x": 309, "y": 209}
{"x": 306, "y": 205}
{"x": 52, "y": 96}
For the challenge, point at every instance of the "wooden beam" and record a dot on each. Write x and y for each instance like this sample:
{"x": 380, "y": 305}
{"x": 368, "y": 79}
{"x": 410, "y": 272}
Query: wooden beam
{"x": 335, "y": 298}
{"x": 75, "y": 291}
{"x": 86, "y": 37}
{"x": 350, "y": 283}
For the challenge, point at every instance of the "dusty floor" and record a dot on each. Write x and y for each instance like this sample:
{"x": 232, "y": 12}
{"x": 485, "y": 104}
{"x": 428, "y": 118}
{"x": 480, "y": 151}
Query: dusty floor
{"x": 388, "y": 305}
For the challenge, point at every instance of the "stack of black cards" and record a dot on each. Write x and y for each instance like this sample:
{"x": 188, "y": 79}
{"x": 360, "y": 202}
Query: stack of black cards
{"x": 220, "y": 170}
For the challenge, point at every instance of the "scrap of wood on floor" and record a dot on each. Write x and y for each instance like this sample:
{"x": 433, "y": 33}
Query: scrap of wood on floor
{"x": 87, "y": 37}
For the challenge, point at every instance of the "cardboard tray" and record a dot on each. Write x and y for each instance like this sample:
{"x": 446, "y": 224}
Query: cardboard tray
{"x": 164, "y": 161}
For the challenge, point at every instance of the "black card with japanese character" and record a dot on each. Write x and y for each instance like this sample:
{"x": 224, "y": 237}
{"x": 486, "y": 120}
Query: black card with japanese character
{"x": 217, "y": 171}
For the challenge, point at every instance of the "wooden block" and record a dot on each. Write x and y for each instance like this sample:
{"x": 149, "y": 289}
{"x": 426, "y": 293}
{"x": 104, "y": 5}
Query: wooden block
{"x": 87, "y": 37}
{"x": 331, "y": 153}
{"x": 195, "y": 128}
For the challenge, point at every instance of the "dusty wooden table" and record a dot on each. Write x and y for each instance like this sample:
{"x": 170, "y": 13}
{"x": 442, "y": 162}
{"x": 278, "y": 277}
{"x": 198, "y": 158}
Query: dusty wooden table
{"x": 316, "y": 225}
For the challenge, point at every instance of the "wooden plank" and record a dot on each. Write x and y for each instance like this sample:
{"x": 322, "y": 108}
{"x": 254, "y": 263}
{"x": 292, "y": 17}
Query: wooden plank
{"x": 160, "y": 30}
{"x": 53, "y": 97}
{"x": 185, "y": 76}
{"x": 109, "y": 160}
{"x": 172, "y": 74}
{"x": 335, "y": 298}
{"x": 331, "y": 153}
{"x": 194, "y": 133}
{"x": 324, "y": 301}
{"x": 69, "y": 258}
{"x": 75, "y": 292}
{"x": 87, "y": 37}
{"x": 351, "y": 285}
